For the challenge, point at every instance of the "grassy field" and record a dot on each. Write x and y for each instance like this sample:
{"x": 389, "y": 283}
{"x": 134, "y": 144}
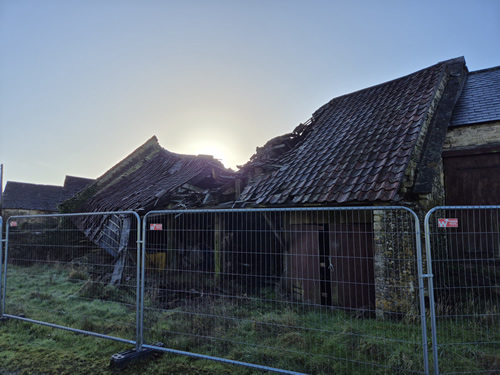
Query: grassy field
{"x": 283, "y": 336}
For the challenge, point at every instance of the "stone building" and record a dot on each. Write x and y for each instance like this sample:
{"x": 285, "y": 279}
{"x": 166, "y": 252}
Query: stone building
{"x": 385, "y": 145}
{"x": 419, "y": 141}
{"x": 21, "y": 198}
{"x": 471, "y": 151}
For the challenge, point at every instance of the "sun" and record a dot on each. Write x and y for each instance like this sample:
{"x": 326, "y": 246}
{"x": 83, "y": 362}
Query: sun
{"x": 216, "y": 149}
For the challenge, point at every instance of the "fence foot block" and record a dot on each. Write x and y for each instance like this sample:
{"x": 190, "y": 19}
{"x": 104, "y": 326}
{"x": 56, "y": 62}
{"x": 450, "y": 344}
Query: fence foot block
{"x": 122, "y": 359}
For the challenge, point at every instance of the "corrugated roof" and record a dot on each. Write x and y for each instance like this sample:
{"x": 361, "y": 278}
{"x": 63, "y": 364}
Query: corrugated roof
{"x": 20, "y": 195}
{"x": 358, "y": 147}
{"x": 480, "y": 99}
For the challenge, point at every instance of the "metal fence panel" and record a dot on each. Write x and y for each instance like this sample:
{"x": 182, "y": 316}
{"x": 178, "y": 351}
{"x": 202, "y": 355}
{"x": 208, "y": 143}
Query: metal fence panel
{"x": 1, "y": 269}
{"x": 319, "y": 291}
{"x": 463, "y": 253}
{"x": 78, "y": 272}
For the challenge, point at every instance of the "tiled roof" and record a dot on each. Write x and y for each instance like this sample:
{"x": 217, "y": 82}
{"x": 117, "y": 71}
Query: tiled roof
{"x": 73, "y": 185}
{"x": 358, "y": 147}
{"x": 146, "y": 179}
{"x": 151, "y": 184}
{"x": 19, "y": 195}
{"x": 480, "y": 99}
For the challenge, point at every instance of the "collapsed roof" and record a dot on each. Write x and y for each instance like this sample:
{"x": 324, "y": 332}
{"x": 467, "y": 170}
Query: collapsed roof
{"x": 149, "y": 178}
{"x": 154, "y": 178}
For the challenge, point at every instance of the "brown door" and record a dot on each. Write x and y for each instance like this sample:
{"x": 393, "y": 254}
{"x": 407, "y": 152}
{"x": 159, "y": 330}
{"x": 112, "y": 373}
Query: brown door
{"x": 304, "y": 263}
{"x": 472, "y": 178}
{"x": 333, "y": 264}
{"x": 352, "y": 272}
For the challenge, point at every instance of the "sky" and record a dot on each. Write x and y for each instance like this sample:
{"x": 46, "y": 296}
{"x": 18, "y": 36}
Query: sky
{"x": 83, "y": 83}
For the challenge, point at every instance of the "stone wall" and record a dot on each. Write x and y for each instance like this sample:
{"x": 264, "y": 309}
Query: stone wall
{"x": 470, "y": 136}
{"x": 396, "y": 272}
{"x": 411, "y": 169}
{"x": 396, "y": 280}
{"x": 40, "y": 222}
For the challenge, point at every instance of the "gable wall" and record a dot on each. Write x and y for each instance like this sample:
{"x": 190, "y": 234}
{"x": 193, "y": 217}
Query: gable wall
{"x": 410, "y": 173}
{"x": 423, "y": 202}
{"x": 472, "y": 136}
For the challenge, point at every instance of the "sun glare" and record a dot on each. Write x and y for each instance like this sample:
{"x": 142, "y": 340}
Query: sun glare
{"x": 217, "y": 150}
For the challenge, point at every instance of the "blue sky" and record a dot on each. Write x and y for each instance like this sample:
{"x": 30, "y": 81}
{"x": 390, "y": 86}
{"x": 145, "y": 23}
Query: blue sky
{"x": 85, "y": 82}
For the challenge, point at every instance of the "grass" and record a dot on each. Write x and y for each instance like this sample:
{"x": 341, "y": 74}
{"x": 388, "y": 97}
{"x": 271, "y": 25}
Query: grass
{"x": 270, "y": 333}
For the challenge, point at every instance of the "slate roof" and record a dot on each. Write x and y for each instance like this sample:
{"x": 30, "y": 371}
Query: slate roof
{"x": 480, "y": 99}
{"x": 73, "y": 185}
{"x": 24, "y": 196}
{"x": 358, "y": 147}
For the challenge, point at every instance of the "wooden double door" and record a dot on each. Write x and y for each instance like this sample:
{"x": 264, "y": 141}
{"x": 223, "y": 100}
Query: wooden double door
{"x": 332, "y": 264}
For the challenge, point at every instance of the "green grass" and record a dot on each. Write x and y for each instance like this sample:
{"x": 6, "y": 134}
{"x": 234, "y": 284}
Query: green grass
{"x": 272, "y": 333}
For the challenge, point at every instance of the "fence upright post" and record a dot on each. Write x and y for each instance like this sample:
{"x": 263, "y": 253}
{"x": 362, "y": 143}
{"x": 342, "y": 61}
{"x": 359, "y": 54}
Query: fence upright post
{"x": 430, "y": 284}
{"x": 3, "y": 266}
{"x": 1, "y": 263}
{"x": 141, "y": 244}
{"x": 421, "y": 290}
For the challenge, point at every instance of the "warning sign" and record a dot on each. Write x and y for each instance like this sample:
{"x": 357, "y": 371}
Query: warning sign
{"x": 448, "y": 223}
{"x": 155, "y": 226}
{"x": 13, "y": 223}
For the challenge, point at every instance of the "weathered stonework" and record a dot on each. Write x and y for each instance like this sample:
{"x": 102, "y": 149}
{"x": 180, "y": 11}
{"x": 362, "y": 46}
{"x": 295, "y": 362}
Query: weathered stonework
{"x": 20, "y": 212}
{"x": 396, "y": 272}
{"x": 396, "y": 268}
{"x": 472, "y": 135}
{"x": 410, "y": 173}
{"x": 435, "y": 198}
{"x": 396, "y": 282}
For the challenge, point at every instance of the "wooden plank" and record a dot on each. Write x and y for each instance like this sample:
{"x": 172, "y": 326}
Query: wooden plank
{"x": 122, "y": 252}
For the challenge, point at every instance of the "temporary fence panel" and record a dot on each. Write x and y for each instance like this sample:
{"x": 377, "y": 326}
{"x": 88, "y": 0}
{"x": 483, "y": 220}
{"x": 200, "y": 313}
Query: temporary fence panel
{"x": 1, "y": 268}
{"x": 79, "y": 272}
{"x": 323, "y": 290}
{"x": 463, "y": 254}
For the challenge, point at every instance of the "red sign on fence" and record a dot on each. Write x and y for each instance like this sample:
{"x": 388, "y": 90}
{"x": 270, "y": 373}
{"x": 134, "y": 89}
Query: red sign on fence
{"x": 156, "y": 226}
{"x": 448, "y": 223}
{"x": 13, "y": 223}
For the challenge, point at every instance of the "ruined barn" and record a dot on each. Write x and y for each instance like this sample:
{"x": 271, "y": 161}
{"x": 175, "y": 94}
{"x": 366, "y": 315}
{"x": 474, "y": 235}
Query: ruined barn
{"x": 150, "y": 178}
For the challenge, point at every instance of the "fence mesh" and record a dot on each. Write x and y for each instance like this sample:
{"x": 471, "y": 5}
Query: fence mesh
{"x": 74, "y": 271}
{"x": 318, "y": 291}
{"x": 464, "y": 243}
{"x": 1, "y": 268}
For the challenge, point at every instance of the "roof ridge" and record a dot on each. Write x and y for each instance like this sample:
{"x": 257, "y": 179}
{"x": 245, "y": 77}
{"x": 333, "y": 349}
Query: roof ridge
{"x": 485, "y": 70}
{"x": 30, "y": 183}
{"x": 383, "y": 122}
{"x": 439, "y": 65}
